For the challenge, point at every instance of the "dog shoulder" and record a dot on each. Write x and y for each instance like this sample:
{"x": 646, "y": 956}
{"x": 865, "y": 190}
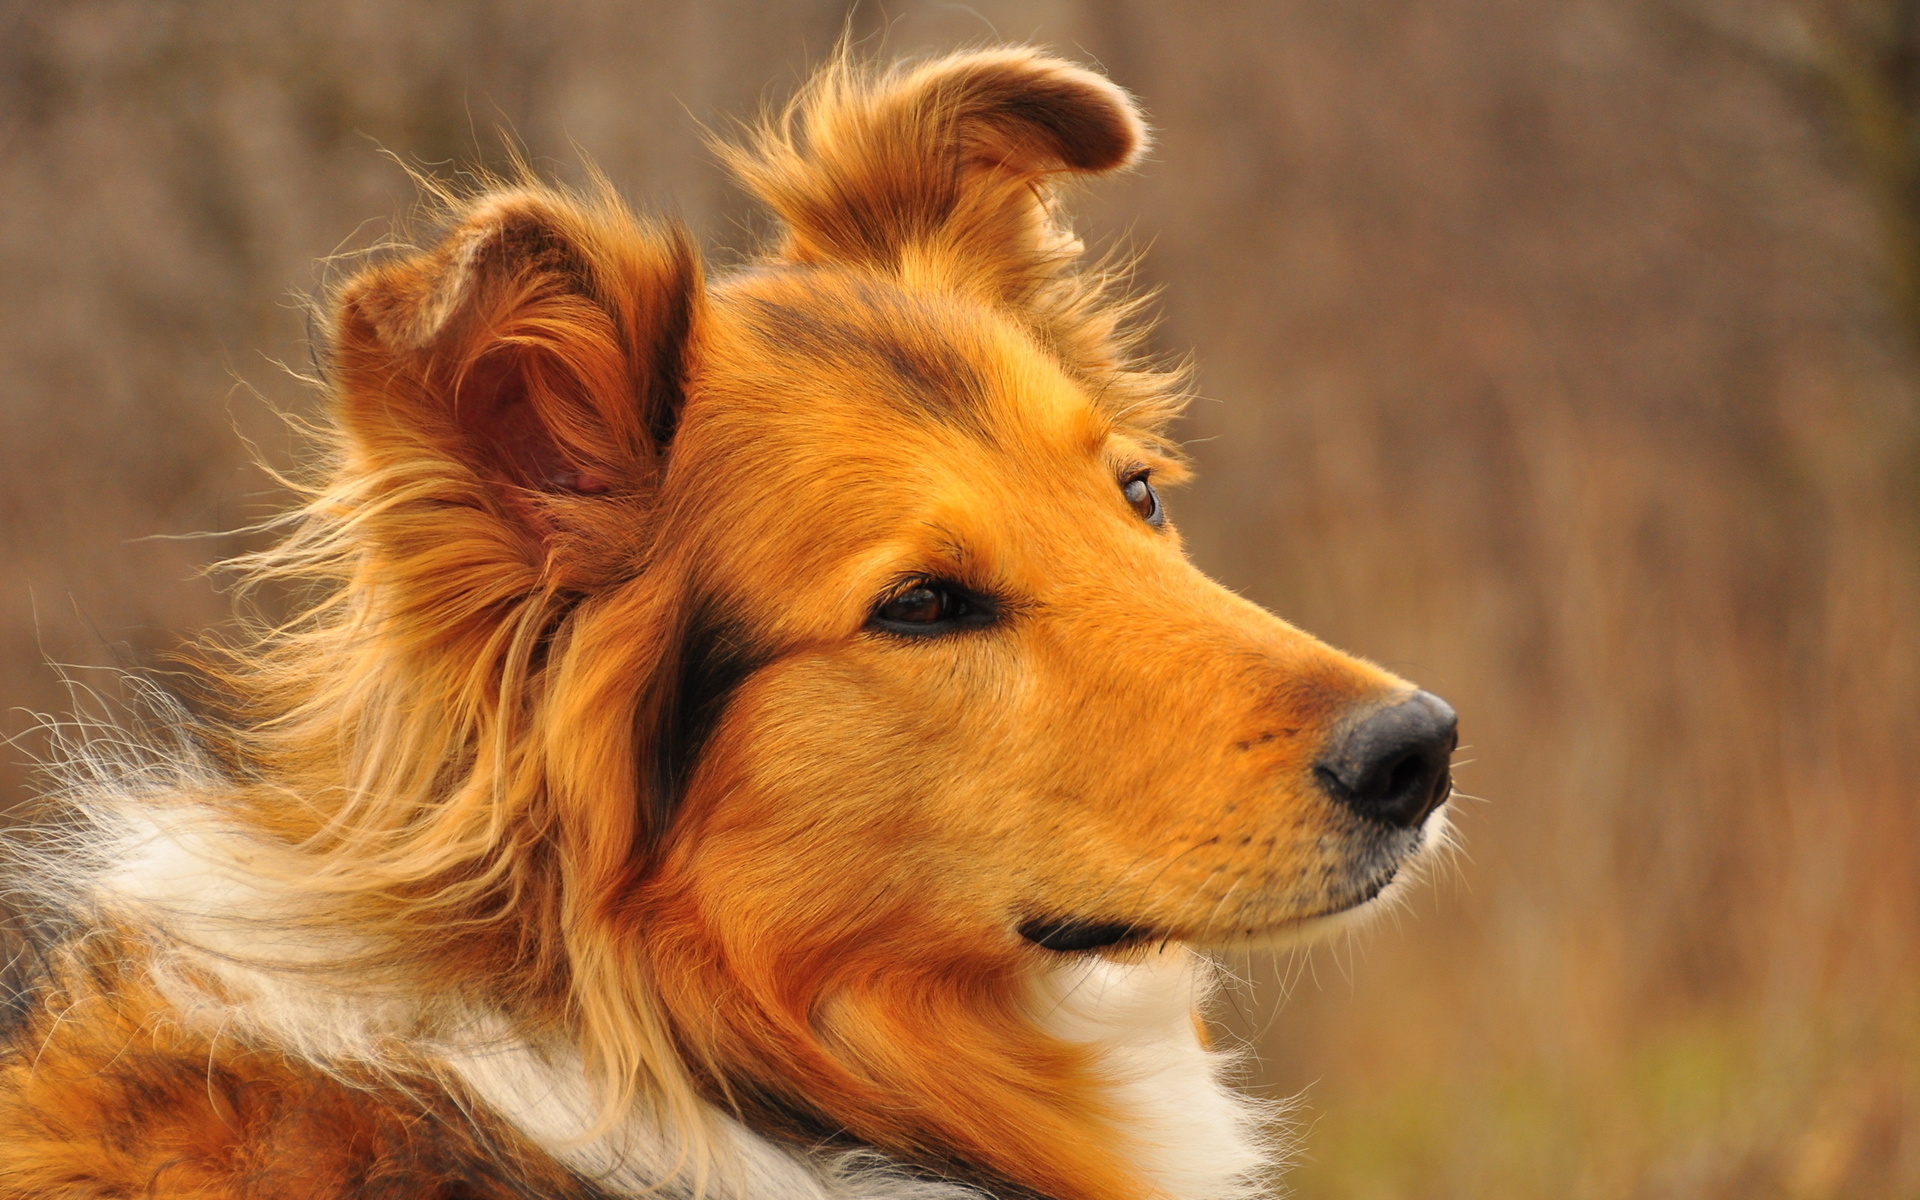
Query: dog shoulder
{"x": 105, "y": 1092}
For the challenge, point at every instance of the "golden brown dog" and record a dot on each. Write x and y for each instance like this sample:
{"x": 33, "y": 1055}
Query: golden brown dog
{"x": 755, "y": 736}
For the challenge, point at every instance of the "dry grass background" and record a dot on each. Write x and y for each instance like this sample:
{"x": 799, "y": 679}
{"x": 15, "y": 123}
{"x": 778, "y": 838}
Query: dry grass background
{"x": 1555, "y": 352}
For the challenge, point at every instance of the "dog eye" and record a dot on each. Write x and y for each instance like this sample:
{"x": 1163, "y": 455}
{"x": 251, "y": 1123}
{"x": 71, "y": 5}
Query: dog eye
{"x": 922, "y": 605}
{"x": 930, "y": 607}
{"x": 1144, "y": 499}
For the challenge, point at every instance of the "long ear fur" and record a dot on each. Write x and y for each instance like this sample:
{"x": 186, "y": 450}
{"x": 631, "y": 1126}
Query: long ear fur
{"x": 958, "y": 155}
{"x": 505, "y": 403}
{"x": 530, "y": 365}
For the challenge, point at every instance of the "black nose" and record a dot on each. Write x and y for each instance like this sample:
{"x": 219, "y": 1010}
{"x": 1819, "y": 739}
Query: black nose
{"x": 1392, "y": 765}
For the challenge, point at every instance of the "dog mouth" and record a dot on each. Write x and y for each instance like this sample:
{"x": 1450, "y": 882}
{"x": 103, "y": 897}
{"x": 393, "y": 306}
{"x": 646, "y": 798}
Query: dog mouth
{"x": 1079, "y": 935}
{"x": 1374, "y": 861}
{"x": 1072, "y": 935}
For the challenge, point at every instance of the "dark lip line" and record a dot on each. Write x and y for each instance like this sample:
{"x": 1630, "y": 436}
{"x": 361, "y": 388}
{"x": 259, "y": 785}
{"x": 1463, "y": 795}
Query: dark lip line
{"x": 1140, "y": 935}
{"x": 1371, "y": 892}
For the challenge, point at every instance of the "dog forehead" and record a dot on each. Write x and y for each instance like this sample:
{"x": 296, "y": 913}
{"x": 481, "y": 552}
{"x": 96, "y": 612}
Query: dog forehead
{"x": 821, "y": 345}
{"x": 853, "y": 429}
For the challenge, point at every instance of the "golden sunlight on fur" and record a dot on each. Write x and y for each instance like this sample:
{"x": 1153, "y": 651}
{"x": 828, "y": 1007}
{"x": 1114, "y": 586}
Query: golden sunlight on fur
{"x": 755, "y": 735}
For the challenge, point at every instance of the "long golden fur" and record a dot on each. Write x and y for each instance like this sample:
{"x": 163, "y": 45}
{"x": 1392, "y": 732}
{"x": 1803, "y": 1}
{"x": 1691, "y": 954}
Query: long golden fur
{"x": 739, "y": 724}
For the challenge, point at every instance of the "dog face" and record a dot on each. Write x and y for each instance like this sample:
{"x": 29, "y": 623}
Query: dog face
{"x": 976, "y": 688}
{"x": 856, "y": 670}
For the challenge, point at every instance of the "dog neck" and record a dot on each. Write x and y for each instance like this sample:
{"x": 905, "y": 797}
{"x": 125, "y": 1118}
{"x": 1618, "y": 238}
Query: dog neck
{"x": 226, "y": 960}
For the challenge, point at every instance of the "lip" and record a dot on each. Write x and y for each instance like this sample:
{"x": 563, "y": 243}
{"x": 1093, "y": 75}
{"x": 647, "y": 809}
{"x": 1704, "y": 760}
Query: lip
{"x": 1075, "y": 935}
{"x": 1367, "y": 894}
{"x": 1374, "y": 887}
{"x": 1305, "y": 926}
{"x": 1092, "y": 937}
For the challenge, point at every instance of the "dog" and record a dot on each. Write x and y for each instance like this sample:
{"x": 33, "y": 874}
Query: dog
{"x": 753, "y": 736}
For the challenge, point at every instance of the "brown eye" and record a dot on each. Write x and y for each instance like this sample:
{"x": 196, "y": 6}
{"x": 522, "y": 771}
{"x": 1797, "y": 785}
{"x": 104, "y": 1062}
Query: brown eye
{"x": 915, "y": 606}
{"x": 1144, "y": 499}
{"x": 931, "y": 607}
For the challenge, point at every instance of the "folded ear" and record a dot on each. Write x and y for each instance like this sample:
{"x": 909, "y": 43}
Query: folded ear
{"x": 529, "y": 366}
{"x": 957, "y": 155}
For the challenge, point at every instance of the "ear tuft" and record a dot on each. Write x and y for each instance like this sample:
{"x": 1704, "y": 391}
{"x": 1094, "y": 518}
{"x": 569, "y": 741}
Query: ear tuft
{"x": 1039, "y": 113}
{"x": 508, "y": 236}
{"x": 958, "y": 156}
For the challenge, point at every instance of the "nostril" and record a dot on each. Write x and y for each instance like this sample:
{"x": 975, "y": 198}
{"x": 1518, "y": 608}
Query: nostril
{"x": 1391, "y": 765}
{"x": 1407, "y": 775}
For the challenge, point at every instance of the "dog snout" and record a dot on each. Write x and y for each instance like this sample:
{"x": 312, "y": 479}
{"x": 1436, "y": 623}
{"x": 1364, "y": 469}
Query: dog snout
{"x": 1391, "y": 766}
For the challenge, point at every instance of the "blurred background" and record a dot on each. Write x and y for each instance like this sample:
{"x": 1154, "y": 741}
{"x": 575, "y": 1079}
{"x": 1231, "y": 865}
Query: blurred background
{"x": 1559, "y": 354}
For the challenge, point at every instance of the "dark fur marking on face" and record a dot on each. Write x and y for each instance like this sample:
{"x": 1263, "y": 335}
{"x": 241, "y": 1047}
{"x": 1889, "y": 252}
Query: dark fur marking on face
{"x": 932, "y": 377}
{"x": 717, "y": 655}
{"x": 668, "y": 365}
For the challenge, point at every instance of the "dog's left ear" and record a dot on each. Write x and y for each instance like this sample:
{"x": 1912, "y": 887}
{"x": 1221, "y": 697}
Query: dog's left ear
{"x": 523, "y": 376}
{"x": 956, "y": 159}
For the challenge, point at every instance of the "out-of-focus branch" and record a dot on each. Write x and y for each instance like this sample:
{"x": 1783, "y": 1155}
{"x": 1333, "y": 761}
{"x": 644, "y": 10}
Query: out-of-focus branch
{"x": 1866, "y": 56}
{"x": 1858, "y": 63}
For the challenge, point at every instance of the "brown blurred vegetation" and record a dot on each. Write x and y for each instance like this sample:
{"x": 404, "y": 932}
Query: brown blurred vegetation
{"x": 1557, "y": 353}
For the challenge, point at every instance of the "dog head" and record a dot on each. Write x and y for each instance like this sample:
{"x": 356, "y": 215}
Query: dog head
{"x": 820, "y": 631}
